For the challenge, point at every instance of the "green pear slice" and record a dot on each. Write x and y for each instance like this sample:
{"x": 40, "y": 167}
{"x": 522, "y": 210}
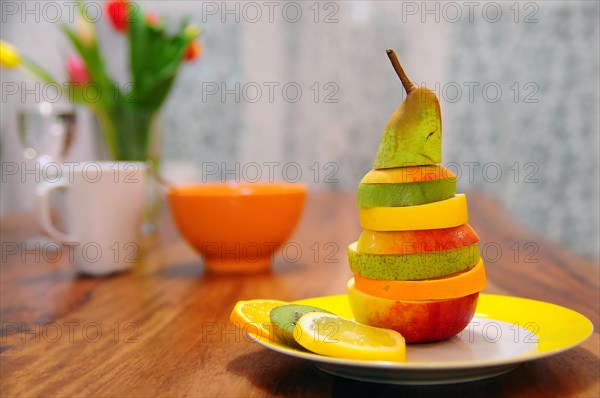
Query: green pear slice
{"x": 416, "y": 266}
{"x": 406, "y": 194}
{"x": 413, "y": 134}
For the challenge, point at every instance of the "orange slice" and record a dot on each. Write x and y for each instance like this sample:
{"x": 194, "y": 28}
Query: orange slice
{"x": 458, "y": 285}
{"x": 253, "y": 316}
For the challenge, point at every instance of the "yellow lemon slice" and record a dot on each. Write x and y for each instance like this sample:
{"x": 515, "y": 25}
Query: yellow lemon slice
{"x": 334, "y": 336}
{"x": 443, "y": 214}
{"x": 253, "y": 316}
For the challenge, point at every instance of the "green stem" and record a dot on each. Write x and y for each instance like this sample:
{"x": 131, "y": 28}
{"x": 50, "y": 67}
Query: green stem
{"x": 37, "y": 71}
{"x": 109, "y": 132}
{"x": 408, "y": 85}
{"x": 127, "y": 132}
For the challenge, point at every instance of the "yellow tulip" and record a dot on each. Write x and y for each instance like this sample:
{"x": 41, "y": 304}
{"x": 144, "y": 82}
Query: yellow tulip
{"x": 85, "y": 31}
{"x": 191, "y": 31}
{"x": 9, "y": 57}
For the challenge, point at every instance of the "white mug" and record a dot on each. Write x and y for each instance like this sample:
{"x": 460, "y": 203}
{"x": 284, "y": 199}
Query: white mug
{"x": 104, "y": 205}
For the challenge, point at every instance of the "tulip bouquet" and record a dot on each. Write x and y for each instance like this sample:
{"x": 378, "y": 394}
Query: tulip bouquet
{"x": 125, "y": 112}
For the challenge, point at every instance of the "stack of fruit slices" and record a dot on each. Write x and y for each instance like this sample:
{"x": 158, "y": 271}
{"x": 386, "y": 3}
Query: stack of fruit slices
{"x": 416, "y": 265}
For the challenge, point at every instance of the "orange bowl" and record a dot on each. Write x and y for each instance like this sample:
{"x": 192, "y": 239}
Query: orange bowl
{"x": 237, "y": 227}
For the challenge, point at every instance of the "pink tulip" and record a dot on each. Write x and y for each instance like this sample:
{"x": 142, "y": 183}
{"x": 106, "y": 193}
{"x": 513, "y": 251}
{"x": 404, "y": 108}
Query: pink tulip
{"x": 152, "y": 19}
{"x": 77, "y": 71}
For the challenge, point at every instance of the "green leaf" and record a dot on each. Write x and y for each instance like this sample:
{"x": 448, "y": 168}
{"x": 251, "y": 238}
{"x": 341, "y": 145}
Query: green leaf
{"x": 37, "y": 71}
{"x": 95, "y": 65}
{"x": 166, "y": 68}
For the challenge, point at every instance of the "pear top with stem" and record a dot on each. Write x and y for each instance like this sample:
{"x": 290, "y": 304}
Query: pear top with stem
{"x": 413, "y": 134}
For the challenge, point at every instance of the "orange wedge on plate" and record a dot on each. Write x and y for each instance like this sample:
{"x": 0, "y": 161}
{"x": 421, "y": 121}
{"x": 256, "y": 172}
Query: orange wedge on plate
{"x": 253, "y": 316}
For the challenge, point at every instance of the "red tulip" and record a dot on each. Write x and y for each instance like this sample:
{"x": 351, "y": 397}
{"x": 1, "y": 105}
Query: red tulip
{"x": 193, "y": 51}
{"x": 118, "y": 14}
{"x": 77, "y": 71}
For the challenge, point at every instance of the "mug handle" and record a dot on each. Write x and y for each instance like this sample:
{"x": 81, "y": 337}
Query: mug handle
{"x": 43, "y": 195}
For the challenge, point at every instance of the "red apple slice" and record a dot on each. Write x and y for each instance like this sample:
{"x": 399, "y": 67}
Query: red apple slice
{"x": 409, "y": 242}
{"x": 416, "y": 321}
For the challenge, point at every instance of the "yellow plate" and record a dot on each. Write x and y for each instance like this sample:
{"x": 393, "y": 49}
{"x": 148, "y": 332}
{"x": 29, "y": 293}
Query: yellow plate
{"x": 505, "y": 332}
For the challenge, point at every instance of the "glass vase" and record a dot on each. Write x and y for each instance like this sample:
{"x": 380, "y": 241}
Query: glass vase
{"x": 128, "y": 133}
{"x": 134, "y": 134}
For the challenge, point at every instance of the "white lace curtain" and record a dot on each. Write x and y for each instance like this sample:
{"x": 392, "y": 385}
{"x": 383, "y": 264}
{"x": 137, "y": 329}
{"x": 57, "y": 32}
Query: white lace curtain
{"x": 518, "y": 84}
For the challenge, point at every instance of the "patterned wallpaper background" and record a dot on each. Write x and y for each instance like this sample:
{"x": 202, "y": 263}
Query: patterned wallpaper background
{"x": 306, "y": 87}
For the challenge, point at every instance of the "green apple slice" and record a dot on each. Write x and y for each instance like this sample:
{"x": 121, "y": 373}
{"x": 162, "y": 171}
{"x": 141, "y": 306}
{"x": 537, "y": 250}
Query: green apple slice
{"x": 416, "y": 266}
{"x": 284, "y": 319}
{"x": 405, "y": 194}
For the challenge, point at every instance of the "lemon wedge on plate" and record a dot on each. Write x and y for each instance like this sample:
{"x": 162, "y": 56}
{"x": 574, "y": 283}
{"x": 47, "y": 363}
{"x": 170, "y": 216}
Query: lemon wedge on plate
{"x": 334, "y": 336}
{"x": 253, "y": 316}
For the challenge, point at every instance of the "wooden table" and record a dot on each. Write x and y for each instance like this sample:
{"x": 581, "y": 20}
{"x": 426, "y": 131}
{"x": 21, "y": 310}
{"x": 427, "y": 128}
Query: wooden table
{"x": 163, "y": 329}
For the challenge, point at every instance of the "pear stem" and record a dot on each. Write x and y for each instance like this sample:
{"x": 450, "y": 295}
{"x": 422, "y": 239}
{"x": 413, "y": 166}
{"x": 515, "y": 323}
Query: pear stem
{"x": 408, "y": 85}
